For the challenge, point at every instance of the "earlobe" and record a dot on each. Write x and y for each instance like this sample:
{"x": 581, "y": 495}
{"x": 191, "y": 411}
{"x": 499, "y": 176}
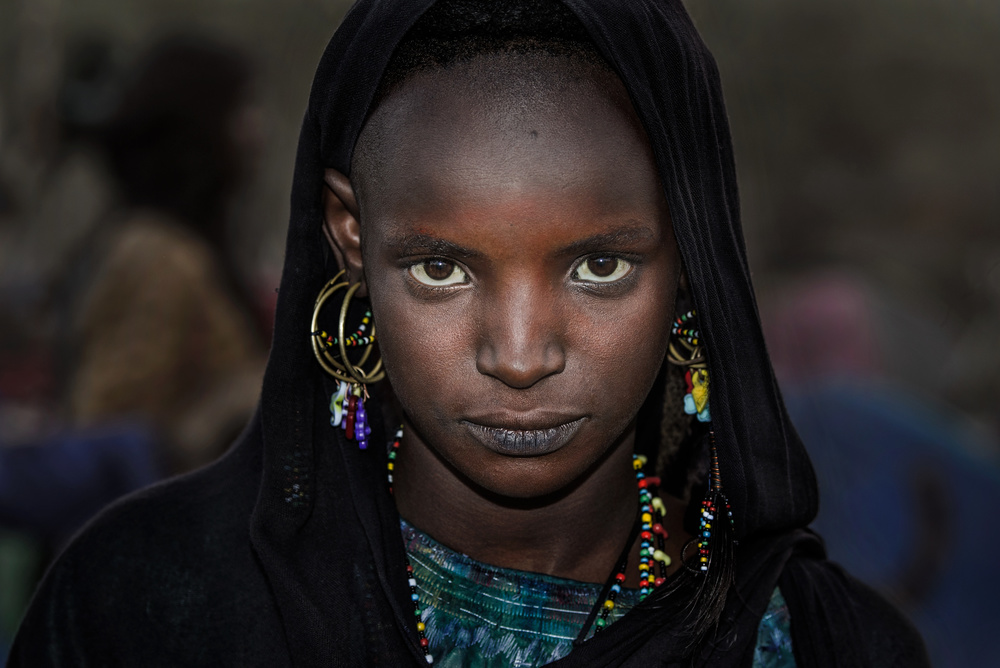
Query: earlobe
{"x": 342, "y": 225}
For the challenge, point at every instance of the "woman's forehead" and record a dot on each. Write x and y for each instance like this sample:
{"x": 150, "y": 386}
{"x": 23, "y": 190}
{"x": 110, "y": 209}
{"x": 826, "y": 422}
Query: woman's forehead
{"x": 508, "y": 121}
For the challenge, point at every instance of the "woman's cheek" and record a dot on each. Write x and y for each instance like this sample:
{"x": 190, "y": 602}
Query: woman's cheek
{"x": 422, "y": 348}
{"x": 624, "y": 344}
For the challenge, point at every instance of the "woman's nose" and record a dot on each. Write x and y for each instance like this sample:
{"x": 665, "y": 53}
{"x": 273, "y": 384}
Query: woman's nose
{"x": 521, "y": 341}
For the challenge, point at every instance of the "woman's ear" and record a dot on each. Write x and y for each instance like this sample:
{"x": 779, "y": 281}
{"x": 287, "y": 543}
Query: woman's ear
{"x": 342, "y": 226}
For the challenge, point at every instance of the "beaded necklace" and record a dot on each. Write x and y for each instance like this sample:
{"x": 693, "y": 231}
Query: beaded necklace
{"x": 652, "y": 556}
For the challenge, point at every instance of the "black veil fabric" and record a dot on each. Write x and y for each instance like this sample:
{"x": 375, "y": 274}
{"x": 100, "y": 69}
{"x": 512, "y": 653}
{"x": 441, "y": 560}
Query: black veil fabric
{"x": 304, "y": 534}
{"x": 674, "y": 86}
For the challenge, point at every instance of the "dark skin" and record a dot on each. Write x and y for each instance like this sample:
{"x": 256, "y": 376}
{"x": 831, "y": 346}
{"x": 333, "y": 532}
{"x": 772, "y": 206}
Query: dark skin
{"x": 517, "y": 250}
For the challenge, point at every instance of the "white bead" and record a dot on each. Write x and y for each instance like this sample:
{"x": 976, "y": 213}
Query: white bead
{"x": 413, "y": 583}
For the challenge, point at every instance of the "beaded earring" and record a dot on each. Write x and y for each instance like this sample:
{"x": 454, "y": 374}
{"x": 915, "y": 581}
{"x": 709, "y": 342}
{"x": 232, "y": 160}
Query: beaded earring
{"x": 347, "y": 404}
{"x": 686, "y": 350}
{"x": 347, "y": 411}
{"x": 715, "y": 524}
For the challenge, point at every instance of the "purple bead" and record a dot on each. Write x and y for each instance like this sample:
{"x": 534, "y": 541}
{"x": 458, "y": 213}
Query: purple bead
{"x": 361, "y": 428}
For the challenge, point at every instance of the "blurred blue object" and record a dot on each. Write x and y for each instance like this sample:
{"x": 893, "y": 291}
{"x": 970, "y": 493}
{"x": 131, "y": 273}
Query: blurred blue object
{"x": 906, "y": 506}
{"x": 50, "y": 489}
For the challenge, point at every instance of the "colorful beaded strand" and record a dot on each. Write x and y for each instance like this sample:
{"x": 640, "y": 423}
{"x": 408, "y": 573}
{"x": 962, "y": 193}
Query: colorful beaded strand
{"x": 358, "y": 338}
{"x": 657, "y": 532}
{"x": 651, "y": 511}
{"x": 709, "y": 510}
{"x": 692, "y": 336}
{"x": 410, "y": 578}
{"x": 393, "y": 450}
{"x": 609, "y": 602}
{"x": 421, "y": 627}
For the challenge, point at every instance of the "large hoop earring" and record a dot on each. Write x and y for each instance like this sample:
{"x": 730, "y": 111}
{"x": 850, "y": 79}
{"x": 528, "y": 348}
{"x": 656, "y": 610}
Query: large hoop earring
{"x": 685, "y": 349}
{"x": 326, "y": 347}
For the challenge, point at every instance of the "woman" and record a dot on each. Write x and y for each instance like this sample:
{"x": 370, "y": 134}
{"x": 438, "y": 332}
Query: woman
{"x": 534, "y": 201}
{"x": 158, "y": 327}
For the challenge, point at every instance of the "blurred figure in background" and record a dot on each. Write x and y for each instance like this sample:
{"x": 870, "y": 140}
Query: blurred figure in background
{"x": 909, "y": 486}
{"x": 158, "y": 325}
{"x": 157, "y": 353}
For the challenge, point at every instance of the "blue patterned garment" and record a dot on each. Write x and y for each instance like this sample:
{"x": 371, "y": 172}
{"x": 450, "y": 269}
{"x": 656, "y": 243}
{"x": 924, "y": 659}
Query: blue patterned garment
{"x": 482, "y": 616}
{"x": 774, "y": 639}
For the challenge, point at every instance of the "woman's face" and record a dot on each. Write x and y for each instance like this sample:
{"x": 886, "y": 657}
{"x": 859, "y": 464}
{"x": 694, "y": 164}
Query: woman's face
{"x": 520, "y": 263}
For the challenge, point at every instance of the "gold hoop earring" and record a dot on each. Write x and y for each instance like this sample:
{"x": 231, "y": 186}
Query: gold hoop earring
{"x": 340, "y": 366}
{"x": 685, "y": 349}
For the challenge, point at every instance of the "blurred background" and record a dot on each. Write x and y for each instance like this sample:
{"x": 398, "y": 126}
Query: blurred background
{"x": 146, "y": 155}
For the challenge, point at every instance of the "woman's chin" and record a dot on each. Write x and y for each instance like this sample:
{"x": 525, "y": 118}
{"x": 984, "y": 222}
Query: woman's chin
{"x": 527, "y": 480}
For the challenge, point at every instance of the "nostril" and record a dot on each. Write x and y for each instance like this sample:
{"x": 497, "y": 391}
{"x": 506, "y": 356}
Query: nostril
{"x": 520, "y": 369}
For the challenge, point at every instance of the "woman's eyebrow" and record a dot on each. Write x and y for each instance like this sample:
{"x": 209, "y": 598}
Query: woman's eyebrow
{"x": 618, "y": 236}
{"x": 425, "y": 244}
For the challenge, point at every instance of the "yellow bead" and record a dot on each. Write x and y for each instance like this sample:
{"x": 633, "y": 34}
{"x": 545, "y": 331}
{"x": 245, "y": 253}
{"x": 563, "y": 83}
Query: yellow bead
{"x": 637, "y": 464}
{"x": 420, "y": 626}
{"x": 609, "y": 604}
{"x": 391, "y": 466}
{"x": 708, "y": 525}
{"x": 704, "y": 560}
{"x": 643, "y": 566}
{"x": 660, "y": 555}
{"x": 646, "y": 517}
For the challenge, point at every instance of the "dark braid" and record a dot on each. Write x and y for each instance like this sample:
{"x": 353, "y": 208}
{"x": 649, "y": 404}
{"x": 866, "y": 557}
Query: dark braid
{"x": 680, "y": 461}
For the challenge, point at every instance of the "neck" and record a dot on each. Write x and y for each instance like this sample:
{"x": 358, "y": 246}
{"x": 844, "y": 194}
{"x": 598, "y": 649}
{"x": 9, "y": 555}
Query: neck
{"x": 577, "y": 534}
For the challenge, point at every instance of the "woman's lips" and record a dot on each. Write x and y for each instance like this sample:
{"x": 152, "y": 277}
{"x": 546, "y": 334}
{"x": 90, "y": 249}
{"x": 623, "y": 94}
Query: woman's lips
{"x": 524, "y": 442}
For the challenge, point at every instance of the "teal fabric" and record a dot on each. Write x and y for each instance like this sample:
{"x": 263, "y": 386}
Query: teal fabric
{"x": 482, "y": 616}
{"x": 774, "y": 639}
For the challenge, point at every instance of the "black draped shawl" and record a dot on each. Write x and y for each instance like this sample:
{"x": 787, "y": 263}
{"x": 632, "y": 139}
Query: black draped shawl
{"x": 288, "y": 550}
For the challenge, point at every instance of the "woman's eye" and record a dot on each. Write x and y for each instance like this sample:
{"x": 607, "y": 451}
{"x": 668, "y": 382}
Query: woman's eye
{"x": 438, "y": 272}
{"x": 602, "y": 269}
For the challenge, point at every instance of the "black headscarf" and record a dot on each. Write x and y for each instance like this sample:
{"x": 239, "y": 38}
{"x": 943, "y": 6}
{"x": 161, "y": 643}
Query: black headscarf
{"x": 327, "y": 560}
